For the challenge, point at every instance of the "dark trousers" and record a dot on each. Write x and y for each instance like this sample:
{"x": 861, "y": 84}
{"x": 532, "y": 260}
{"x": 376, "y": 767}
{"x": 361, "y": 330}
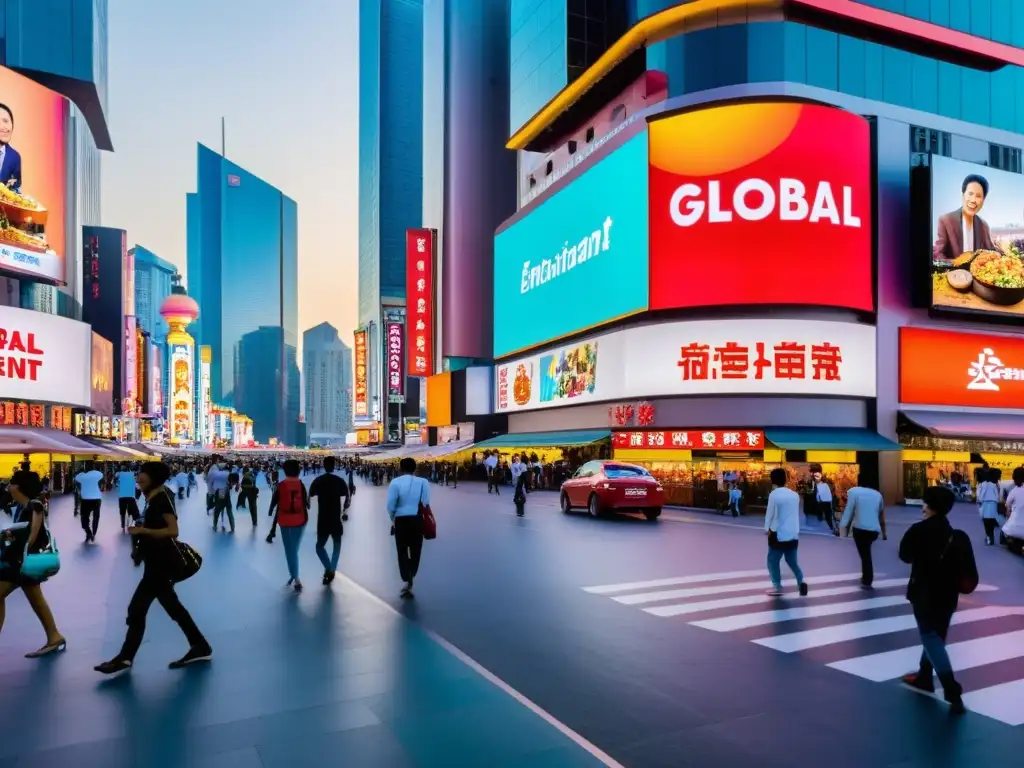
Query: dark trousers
{"x": 825, "y": 513}
{"x": 153, "y": 587}
{"x": 222, "y": 505}
{"x": 127, "y": 506}
{"x": 933, "y": 626}
{"x": 247, "y": 498}
{"x": 864, "y": 540}
{"x": 90, "y": 509}
{"x": 409, "y": 540}
{"x": 990, "y": 527}
{"x": 492, "y": 480}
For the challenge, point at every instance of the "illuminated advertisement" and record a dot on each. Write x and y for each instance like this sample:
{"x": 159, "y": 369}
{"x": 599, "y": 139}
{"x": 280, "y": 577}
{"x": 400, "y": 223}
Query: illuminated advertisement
{"x": 395, "y": 354}
{"x": 140, "y": 369}
{"x": 44, "y": 358}
{"x": 977, "y": 216}
{"x": 156, "y": 380}
{"x": 102, "y": 398}
{"x": 707, "y": 357}
{"x": 420, "y": 245}
{"x": 588, "y": 240}
{"x": 181, "y": 408}
{"x": 130, "y": 402}
{"x": 361, "y": 407}
{"x": 203, "y": 423}
{"x": 32, "y": 179}
{"x": 760, "y": 203}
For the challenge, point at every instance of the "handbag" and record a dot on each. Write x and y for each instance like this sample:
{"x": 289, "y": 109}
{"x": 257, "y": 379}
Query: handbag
{"x": 185, "y": 562}
{"x": 39, "y": 566}
{"x": 427, "y": 516}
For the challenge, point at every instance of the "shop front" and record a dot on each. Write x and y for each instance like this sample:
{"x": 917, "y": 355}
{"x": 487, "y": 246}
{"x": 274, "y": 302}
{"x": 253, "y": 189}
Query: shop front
{"x": 961, "y": 408}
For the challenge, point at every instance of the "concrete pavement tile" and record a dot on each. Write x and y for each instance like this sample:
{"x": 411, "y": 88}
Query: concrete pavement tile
{"x": 371, "y": 747}
{"x": 239, "y": 758}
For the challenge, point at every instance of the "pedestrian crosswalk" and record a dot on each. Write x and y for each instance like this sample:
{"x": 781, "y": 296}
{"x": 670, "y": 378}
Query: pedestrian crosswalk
{"x": 869, "y": 634}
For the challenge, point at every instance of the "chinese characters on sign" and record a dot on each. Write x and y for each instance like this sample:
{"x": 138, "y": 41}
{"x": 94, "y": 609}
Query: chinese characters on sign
{"x": 723, "y": 440}
{"x": 396, "y": 350}
{"x": 785, "y": 360}
{"x": 631, "y": 415}
{"x": 18, "y": 414}
{"x": 360, "y": 404}
{"x": 419, "y": 277}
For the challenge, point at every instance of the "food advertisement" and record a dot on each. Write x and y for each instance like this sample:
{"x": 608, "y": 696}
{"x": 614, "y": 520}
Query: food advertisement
{"x": 977, "y": 238}
{"x": 578, "y": 259}
{"x": 761, "y": 203}
{"x": 102, "y": 398}
{"x": 764, "y": 356}
{"x": 182, "y": 397}
{"x": 32, "y": 179}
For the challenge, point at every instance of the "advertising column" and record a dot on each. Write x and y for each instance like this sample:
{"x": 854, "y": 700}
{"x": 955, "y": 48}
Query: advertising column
{"x": 182, "y": 402}
{"x": 419, "y": 272}
{"x": 360, "y": 406}
{"x": 204, "y": 427}
{"x": 130, "y": 401}
{"x": 394, "y": 349}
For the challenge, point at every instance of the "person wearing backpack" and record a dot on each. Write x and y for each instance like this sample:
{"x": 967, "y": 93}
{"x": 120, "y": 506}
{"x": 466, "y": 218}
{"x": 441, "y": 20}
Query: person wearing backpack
{"x": 291, "y": 501}
{"x": 405, "y": 495}
{"x": 942, "y": 567}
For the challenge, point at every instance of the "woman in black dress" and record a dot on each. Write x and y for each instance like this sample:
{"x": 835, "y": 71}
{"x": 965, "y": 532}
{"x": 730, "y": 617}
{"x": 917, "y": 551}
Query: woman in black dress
{"x": 26, "y": 490}
{"x": 155, "y": 548}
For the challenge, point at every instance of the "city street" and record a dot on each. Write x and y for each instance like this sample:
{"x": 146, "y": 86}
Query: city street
{"x": 646, "y": 644}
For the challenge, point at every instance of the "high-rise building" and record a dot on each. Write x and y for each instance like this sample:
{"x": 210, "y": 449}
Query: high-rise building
{"x": 154, "y": 278}
{"x": 243, "y": 272}
{"x": 469, "y": 178}
{"x": 327, "y": 373}
{"x": 390, "y": 162}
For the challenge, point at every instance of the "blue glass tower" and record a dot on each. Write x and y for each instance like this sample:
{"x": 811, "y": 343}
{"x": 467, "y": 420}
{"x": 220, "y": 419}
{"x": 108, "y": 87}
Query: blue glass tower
{"x": 153, "y": 281}
{"x": 243, "y": 272}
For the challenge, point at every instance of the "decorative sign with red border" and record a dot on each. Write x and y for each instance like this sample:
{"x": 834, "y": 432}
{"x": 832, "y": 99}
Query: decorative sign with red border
{"x": 360, "y": 403}
{"x": 419, "y": 292}
{"x": 396, "y": 351}
{"x": 699, "y": 439}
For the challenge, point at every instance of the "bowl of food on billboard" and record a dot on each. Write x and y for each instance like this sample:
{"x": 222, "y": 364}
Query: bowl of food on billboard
{"x": 32, "y": 178}
{"x": 977, "y": 216}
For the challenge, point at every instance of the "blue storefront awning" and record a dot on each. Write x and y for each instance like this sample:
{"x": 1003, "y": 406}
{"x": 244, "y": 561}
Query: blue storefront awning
{"x": 829, "y": 439}
{"x": 545, "y": 439}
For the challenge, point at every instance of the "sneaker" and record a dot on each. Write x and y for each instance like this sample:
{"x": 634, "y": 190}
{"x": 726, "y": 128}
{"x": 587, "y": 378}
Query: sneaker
{"x": 327, "y": 578}
{"x": 803, "y": 589}
{"x": 270, "y": 538}
{"x": 199, "y": 653}
{"x": 297, "y": 586}
{"x": 775, "y": 592}
{"x": 113, "y": 667}
{"x": 918, "y": 682}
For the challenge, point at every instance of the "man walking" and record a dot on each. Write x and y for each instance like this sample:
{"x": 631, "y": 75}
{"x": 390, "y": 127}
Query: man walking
{"x": 782, "y": 524}
{"x": 865, "y": 517}
{"x": 88, "y": 483}
{"x": 329, "y": 489}
{"x": 217, "y": 483}
{"x": 491, "y": 463}
{"x": 126, "y": 503}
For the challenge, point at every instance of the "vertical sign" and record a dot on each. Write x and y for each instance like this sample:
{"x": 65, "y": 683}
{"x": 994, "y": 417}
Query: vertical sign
{"x": 129, "y": 403}
{"x": 361, "y": 405}
{"x": 203, "y": 430}
{"x": 140, "y": 369}
{"x": 182, "y": 404}
{"x": 91, "y": 268}
{"x": 128, "y": 281}
{"x": 396, "y": 374}
{"x": 419, "y": 291}
{"x": 156, "y": 380}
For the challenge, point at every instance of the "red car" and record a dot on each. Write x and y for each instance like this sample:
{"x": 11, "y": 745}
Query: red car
{"x": 611, "y": 486}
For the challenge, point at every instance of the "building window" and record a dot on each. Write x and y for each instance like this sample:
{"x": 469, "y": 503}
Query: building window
{"x": 590, "y": 134}
{"x": 619, "y": 113}
{"x": 1004, "y": 158}
{"x": 931, "y": 141}
{"x": 572, "y": 146}
{"x": 549, "y": 168}
{"x": 533, "y": 182}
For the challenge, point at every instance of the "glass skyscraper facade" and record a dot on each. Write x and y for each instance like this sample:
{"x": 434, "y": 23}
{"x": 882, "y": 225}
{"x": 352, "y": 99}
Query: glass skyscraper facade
{"x": 243, "y": 272}
{"x": 153, "y": 280}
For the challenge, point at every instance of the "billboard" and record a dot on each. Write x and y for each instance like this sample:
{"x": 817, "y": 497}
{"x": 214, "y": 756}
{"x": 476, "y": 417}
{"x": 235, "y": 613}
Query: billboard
{"x": 102, "y": 376}
{"x": 130, "y": 401}
{"x": 32, "y": 179}
{"x": 977, "y": 216}
{"x": 704, "y": 439}
{"x": 155, "y": 405}
{"x": 420, "y": 246}
{"x": 967, "y": 370}
{"x": 395, "y": 357}
{"x": 361, "y": 404}
{"x": 44, "y": 358}
{"x": 761, "y": 203}
{"x": 587, "y": 241}
{"x": 181, "y": 407}
{"x": 204, "y": 431}
{"x": 707, "y": 357}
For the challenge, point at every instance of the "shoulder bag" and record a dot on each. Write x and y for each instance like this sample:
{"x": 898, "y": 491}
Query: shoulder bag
{"x": 427, "y": 516}
{"x": 39, "y": 566}
{"x": 183, "y": 563}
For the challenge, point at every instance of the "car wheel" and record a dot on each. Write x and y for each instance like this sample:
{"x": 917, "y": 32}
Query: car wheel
{"x": 594, "y": 506}
{"x": 566, "y": 506}
{"x": 653, "y": 513}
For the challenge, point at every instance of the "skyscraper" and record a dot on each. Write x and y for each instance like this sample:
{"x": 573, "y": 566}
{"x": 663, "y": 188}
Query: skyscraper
{"x": 243, "y": 272}
{"x": 390, "y": 161}
{"x": 153, "y": 281}
{"x": 327, "y": 373}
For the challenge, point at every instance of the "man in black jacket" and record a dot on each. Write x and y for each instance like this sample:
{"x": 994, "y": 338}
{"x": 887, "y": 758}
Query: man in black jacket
{"x": 942, "y": 565}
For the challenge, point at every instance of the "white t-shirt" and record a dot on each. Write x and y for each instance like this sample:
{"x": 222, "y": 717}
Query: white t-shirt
{"x": 1014, "y": 525}
{"x": 783, "y": 515}
{"x": 823, "y": 492}
{"x": 89, "y": 483}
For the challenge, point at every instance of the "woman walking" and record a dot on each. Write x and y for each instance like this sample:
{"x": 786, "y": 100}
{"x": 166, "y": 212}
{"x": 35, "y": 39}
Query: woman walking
{"x": 988, "y": 503}
{"x": 155, "y": 548}
{"x": 405, "y": 495}
{"x": 25, "y": 490}
{"x": 291, "y": 501}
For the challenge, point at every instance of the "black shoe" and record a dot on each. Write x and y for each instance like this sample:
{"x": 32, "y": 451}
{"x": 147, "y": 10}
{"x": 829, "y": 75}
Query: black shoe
{"x": 951, "y": 692}
{"x": 270, "y": 538}
{"x": 327, "y": 578}
{"x": 113, "y": 667}
{"x": 197, "y": 654}
{"x": 920, "y": 681}
{"x": 803, "y": 589}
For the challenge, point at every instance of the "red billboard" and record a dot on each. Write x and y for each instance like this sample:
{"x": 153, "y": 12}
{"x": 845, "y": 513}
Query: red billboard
{"x": 761, "y": 203}
{"x": 361, "y": 405}
{"x": 395, "y": 353}
{"x": 703, "y": 439}
{"x": 419, "y": 292}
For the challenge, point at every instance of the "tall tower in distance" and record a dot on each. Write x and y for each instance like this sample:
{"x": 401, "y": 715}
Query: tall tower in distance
{"x": 178, "y": 311}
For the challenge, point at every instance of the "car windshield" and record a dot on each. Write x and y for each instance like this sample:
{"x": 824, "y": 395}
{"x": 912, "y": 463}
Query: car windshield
{"x": 619, "y": 470}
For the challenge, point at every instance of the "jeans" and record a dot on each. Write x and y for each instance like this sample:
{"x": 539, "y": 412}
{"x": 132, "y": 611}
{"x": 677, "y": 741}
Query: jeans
{"x": 321, "y": 549}
{"x": 774, "y": 565}
{"x": 864, "y": 539}
{"x": 409, "y": 542}
{"x": 291, "y": 536}
{"x": 155, "y": 587}
{"x": 933, "y": 627}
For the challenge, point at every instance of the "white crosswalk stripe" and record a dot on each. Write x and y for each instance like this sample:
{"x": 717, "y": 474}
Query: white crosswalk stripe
{"x": 837, "y": 620}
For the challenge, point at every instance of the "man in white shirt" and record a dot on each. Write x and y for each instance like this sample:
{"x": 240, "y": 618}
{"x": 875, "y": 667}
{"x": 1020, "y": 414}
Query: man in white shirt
{"x": 865, "y": 516}
{"x": 782, "y": 524}
{"x": 217, "y": 484}
{"x": 126, "y": 503}
{"x": 88, "y": 484}
{"x": 823, "y": 501}
{"x": 491, "y": 463}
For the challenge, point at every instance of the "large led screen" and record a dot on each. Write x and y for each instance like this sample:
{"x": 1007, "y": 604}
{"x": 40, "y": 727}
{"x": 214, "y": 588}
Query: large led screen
{"x": 579, "y": 259}
{"x": 761, "y": 203}
{"x": 977, "y": 238}
{"x": 32, "y": 179}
